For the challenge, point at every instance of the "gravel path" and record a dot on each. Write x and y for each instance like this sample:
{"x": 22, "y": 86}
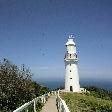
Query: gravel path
{"x": 50, "y": 105}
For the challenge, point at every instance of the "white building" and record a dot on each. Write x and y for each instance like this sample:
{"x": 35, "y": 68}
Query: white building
{"x": 71, "y": 69}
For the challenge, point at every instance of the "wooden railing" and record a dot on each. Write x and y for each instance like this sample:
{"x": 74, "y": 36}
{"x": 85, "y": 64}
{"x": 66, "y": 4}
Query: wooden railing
{"x": 61, "y": 105}
{"x": 33, "y": 103}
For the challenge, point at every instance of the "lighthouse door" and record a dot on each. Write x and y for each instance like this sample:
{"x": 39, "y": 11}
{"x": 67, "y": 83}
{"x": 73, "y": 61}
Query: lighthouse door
{"x": 71, "y": 88}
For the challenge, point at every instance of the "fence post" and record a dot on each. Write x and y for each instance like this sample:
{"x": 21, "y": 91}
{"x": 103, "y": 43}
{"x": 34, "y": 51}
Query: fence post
{"x": 44, "y": 99}
{"x": 26, "y": 110}
{"x": 34, "y": 106}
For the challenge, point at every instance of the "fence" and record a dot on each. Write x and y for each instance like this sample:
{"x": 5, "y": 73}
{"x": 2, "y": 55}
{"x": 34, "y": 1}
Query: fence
{"x": 33, "y": 103}
{"x": 61, "y": 105}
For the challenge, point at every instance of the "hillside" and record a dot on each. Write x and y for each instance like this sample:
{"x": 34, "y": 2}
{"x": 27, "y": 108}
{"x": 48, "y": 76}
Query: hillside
{"x": 89, "y": 102}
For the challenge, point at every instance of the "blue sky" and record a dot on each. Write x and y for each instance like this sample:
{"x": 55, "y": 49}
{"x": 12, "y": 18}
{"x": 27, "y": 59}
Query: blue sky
{"x": 34, "y": 32}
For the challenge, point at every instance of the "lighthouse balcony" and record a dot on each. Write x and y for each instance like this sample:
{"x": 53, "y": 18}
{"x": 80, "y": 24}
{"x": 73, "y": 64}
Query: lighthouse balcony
{"x": 71, "y": 57}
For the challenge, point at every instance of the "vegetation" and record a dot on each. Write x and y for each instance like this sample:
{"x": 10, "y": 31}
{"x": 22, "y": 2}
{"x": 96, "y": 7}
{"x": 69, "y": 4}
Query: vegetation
{"x": 16, "y": 86}
{"x": 98, "y": 100}
{"x": 100, "y": 93}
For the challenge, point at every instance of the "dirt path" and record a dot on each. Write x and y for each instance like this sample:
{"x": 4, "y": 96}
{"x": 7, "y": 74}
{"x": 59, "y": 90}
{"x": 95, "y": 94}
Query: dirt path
{"x": 50, "y": 105}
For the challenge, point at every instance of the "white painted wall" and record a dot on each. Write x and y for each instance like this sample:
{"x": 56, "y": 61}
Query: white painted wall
{"x": 71, "y": 49}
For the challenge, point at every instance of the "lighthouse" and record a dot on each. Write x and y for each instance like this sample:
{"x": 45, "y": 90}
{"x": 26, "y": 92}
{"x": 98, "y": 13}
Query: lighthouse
{"x": 71, "y": 69}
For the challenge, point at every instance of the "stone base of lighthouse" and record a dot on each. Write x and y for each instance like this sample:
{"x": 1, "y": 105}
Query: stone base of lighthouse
{"x": 71, "y": 77}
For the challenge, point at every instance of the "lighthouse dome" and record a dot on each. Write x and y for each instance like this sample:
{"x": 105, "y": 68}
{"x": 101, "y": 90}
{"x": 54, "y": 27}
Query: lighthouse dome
{"x": 70, "y": 41}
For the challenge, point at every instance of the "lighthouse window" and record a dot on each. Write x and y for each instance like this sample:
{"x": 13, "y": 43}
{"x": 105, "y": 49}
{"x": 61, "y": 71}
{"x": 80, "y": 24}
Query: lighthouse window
{"x": 70, "y": 70}
{"x": 70, "y": 55}
{"x": 76, "y": 55}
{"x": 70, "y": 78}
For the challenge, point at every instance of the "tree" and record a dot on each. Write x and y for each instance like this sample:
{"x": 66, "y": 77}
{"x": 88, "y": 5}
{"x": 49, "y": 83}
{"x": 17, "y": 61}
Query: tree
{"x": 16, "y": 86}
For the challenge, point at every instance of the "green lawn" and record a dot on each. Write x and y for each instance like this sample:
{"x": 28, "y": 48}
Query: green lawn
{"x": 86, "y": 103}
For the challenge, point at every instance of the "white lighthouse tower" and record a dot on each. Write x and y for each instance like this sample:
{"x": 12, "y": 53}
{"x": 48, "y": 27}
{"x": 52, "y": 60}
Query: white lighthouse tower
{"x": 71, "y": 69}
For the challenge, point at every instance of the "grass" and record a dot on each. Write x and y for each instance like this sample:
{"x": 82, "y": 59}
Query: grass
{"x": 85, "y": 102}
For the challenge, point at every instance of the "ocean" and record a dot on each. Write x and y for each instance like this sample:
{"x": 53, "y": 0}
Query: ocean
{"x": 53, "y": 84}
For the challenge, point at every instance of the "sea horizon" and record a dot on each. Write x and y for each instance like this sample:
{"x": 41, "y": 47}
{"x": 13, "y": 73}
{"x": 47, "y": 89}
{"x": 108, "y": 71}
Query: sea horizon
{"x": 54, "y": 84}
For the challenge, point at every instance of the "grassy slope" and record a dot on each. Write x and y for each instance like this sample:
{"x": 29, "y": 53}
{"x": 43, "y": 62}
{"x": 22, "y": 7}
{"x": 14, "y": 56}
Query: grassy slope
{"x": 86, "y": 103}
